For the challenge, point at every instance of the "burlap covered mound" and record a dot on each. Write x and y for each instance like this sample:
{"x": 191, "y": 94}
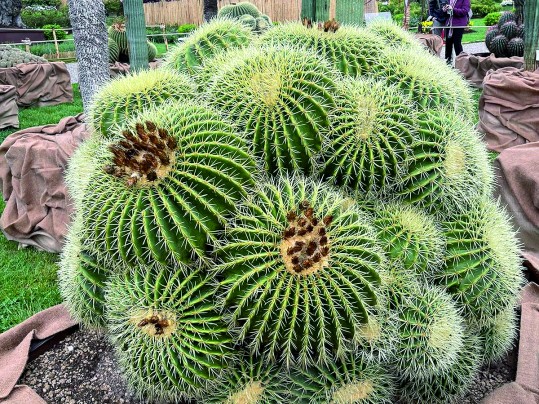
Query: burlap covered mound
{"x": 433, "y": 43}
{"x": 32, "y": 164}
{"x": 9, "y": 113}
{"x": 474, "y": 68}
{"x": 509, "y": 108}
{"x": 40, "y": 84}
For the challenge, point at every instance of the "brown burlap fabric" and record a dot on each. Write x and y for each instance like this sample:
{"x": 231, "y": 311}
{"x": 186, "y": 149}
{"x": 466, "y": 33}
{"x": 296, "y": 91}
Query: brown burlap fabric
{"x": 509, "y": 108}
{"x": 32, "y": 164}
{"x": 525, "y": 390}
{"x": 40, "y": 84}
{"x": 475, "y": 67}
{"x": 9, "y": 112}
{"x": 433, "y": 43}
{"x": 15, "y": 346}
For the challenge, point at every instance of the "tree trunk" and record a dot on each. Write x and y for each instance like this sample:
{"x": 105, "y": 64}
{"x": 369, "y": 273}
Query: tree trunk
{"x": 91, "y": 45}
{"x": 406, "y": 19}
{"x": 135, "y": 27}
{"x": 210, "y": 9}
{"x": 10, "y": 13}
{"x": 531, "y": 39}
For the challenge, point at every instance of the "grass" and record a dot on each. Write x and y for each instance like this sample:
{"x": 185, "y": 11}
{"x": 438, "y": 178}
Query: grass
{"x": 478, "y": 34}
{"x": 28, "y": 276}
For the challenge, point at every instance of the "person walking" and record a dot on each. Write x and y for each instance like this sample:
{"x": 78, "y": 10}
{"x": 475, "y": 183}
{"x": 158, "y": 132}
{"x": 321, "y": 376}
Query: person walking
{"x": 458, "y": 12}
{"x": 437, "y": 15}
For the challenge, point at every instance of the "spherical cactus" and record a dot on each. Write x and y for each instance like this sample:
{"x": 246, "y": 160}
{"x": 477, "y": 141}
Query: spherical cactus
{"x": 509, "y": 29}
{"x": 301, "y": 272}
{"x": 114, "y": 51}
{"x": 446, "y": 386}
{"x": 152, "y": 51}
{"x": 448, "y": 165}
{"x": 499, "y": 335}
{"x": 82, "y": 280}
{"x": 239, "y": 9}
{"x": 163, "y": 184}
{"x": 482, "y": 264}
{"x": 410, "y": 237}
{"x": 505, "y": 17}
{"x": 499, "y": 45}
{"x": 248, "y": 20}
{"x": 127, "y": 95}
{"x": 166, "y": 330}
{"x": 207, "y": 41}
{"x": 370, "y": 138}
{"x": 350, "y": 381}
{"x": 118, "y": 34}
{"x": 394, "y": 35}
{"x": 262, "y": 24}
{"x": 285, "y": 112}
{"x": 352, "y": 51}
{"x": 491, "y": 34}
{"x": 429, "y": 331}
{"x": 250, "y": 380}
{"x": 515, "y": 47}
{"x": 520, "y": 31}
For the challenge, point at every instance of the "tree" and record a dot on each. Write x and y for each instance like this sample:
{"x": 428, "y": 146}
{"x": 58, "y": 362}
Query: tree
{"x": 10, "y": 13}
{"x": 531, "y": 40}
{"x": 91, "y": 45}
{"x": 135, "y": 28}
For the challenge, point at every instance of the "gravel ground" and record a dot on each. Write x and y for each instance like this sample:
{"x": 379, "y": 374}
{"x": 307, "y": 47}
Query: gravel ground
{"x": 73, "y": 69}
{"x": 81, "y": 369}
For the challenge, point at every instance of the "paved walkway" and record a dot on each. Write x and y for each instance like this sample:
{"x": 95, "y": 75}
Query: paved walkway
{"x": 476, "y": 47}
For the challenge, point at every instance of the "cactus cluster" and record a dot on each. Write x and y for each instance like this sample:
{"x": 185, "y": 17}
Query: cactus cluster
{"x": 507, "y": 38}
{"x": 11, "y": 56}
{"x": 248, "y": 14}
{"x": 282, "y": 220}
{"x": 118, "y": 46}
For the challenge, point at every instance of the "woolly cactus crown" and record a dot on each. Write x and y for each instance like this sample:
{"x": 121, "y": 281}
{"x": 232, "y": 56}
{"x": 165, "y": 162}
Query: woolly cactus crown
{"x": 314, "y": 224}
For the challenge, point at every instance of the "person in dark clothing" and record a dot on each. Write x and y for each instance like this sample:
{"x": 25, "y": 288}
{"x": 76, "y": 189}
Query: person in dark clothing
{"x": 458, "y": 12}
{"x": 437, "y": 15}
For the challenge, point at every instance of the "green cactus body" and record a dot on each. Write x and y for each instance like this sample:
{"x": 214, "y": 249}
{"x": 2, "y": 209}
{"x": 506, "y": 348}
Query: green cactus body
{"x": 262, "y": 25}
{"x": 411, "y": 71}
{"x": 114, "y": 51}
{"x": 515, "y": 47}
{"x": 352, "y": 51}
{"x": 152, "y": 51}
{"x": 127, "y": 95}
{"x": 489, "y": 37}
{"x": 168, "y": 335}
{"x": 10, "y": 57}
{"x": 449, "y": 164}
{"x": 301, "y": 272}
{"x": 118, "y": 34}
{"x": 163, "y": 185}
{"x": 429, "y": 329}
{"x": 499, "y": 46}
{"x": 505, "y": 17}
{"x": 239, "y": 9}
{"x": 250, "y": 380}
{"x": 509, "y": 29}
{"x": 283, "y": 110}
{"x": 446, "y": 386}
{"x": 482, "y": 264}
{"x": 394, "y": 35}
{"x": 207, "y": 41}
{"x": 409, "y": 236}
{"x": 351, "y": 381}
{"x": 499, "y": 335}
{"x": 82, "y": 279}
{"x": 248, "y": 20}
{"x": 371, "y": 135}
{"x": 520, "y": 31}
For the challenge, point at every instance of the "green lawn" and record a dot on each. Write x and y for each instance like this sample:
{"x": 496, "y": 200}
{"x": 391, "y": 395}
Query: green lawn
{"x": 478, "y": 34}
{"x": 27, "y": 276}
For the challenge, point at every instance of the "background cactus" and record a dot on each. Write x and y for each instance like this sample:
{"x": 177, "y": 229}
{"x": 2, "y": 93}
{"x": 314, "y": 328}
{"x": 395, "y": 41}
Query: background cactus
{"x": 118, "y": 34}
{"x": 11, "y": 56}
{"x": 336, "y": 243}
{"x": 507, "y": 38}
{"x": 239, "y": 9}
{"x": 163, "y": 183}
{"x": 127, "y": 95}
{"x": 114, "y": 51}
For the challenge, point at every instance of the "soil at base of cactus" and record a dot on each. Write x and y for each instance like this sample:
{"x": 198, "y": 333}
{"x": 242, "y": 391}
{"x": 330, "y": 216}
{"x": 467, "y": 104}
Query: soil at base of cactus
{"x": 82, "y": 369}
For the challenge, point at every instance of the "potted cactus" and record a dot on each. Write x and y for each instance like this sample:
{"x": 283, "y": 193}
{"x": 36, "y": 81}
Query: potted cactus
{"x": 302, "y": 219}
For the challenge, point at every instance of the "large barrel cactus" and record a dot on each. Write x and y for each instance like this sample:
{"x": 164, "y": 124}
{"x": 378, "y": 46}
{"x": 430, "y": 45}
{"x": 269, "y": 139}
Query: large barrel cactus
{"x": 312, "y": 225}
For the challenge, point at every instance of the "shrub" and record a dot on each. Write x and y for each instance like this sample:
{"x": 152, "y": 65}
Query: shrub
{"x": 37, "y": 19}
{"x": 46, "y": 3}
{"x": 60, "y": 33}
{"x": 157, "y": 34}
{"x": 492, "y": 18}
{"x": 113, "y": 7}
{"x": 481, "y": 8}
{"x": 186, "y": 28}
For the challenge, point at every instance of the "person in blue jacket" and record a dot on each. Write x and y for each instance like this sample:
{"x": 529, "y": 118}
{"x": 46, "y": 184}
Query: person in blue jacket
{"x": 437, "y": 15}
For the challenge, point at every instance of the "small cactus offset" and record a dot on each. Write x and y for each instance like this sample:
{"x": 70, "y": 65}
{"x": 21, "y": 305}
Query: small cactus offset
{"x": 299, "y": 217}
